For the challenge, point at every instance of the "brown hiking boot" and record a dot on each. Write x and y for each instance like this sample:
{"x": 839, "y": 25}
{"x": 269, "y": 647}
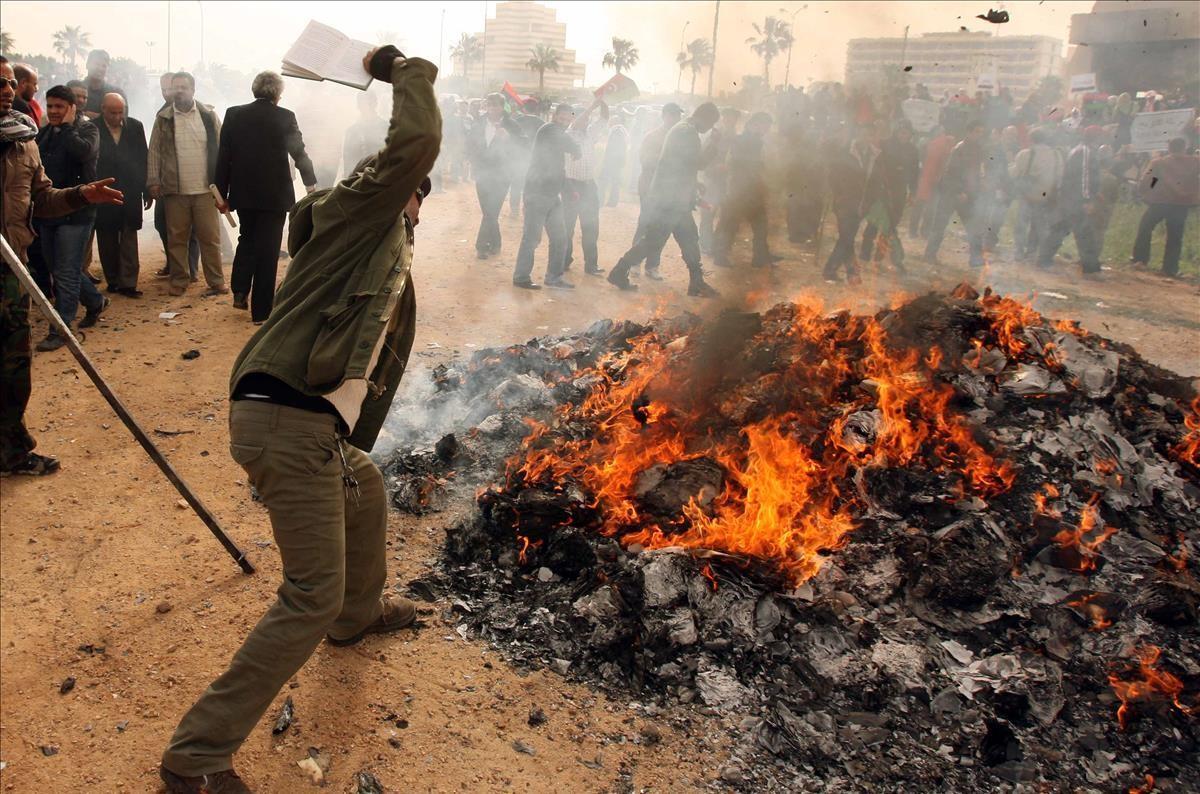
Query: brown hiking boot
{"x": 226, "y": 782}
{"x": 398, "y": 613}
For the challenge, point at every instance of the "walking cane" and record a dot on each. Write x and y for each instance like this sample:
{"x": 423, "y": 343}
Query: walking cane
{"x": 63, "y": 330}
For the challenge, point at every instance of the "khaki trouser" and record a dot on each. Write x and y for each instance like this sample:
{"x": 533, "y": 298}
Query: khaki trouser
{"x": 332, "y": 545}
{"x": 186, "y": 215}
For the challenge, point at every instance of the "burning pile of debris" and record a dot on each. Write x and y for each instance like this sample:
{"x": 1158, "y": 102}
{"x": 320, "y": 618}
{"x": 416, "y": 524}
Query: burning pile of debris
{"x": 950, "y": 544}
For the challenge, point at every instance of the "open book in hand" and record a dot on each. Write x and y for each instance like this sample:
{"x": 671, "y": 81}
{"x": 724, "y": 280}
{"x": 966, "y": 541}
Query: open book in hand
{"x": 325, "y": 53}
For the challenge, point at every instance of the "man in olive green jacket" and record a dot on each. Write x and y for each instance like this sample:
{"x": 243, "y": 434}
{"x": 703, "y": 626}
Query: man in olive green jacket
{"x": 309, "y": 394}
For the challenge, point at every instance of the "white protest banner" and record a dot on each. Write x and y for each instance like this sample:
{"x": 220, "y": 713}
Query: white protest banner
{"x": 986, "y": 82}
{"x": 921, "y": 113}
{"x": 1083, "y": 82}
{"x": 1151, "y": 131}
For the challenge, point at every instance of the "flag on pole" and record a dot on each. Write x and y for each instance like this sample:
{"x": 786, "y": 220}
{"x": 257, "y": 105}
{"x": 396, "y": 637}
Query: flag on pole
{"x": 512, "y": 94}
{"x": 619, "y": 89}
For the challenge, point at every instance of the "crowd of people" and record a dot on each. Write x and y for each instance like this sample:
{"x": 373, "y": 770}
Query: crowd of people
{"x": 700, "y": 177}
{"x": 987, "y": 163}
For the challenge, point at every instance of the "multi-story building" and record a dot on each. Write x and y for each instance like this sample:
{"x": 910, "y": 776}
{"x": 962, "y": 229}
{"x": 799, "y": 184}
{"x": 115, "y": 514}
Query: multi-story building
{"x": 951, "y": 62}
{"x": 1135, "y": 47}
{"x": 509, "y": 38}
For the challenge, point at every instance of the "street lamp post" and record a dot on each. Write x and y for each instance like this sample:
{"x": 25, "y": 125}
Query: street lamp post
{"x": 200, "y": 3}
{"x": 150, "y": 56}
{"x": 441, "y": 40}
{"x": 679, "y": 79}
{"x": 787, "y": 69}
{"x": 712, "y": 67}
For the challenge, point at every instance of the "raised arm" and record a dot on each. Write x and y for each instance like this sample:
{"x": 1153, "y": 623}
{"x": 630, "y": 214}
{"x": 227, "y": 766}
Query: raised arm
{"x": 377, "y": 197}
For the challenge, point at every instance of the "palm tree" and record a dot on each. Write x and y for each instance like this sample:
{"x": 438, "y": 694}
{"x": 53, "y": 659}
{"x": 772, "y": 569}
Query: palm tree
{"x": 774, "y": 35}
{"x": 6, "y": 42}
{"x": 72, "y": 42}
{"x": 467, "y": 50}
{"x": 544, "y": 58}
{"x": 683, "y": 61}
{"x": 700, "y": 56}
{"x": 622, "y": 56}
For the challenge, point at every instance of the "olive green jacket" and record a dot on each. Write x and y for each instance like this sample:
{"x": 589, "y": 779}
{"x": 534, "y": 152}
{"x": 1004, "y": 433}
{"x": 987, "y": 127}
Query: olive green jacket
{"x": 331, "y": 307}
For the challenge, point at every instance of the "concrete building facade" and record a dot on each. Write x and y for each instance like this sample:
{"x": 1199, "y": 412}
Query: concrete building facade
{"x": 1153, "y": 44}
{"x": 950, "y": 62}
{"x": 508, "y": 39}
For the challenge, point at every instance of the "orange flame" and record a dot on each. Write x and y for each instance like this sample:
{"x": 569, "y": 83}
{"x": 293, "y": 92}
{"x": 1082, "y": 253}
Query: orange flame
{"x": 1077, "y": 538}
{"x": 1146, "y": 789}
{"x": 1151, "y": 681}
{"x": 781, "y": 501}
{"x": 1094, "y": 611}
{"x": 1188, "y": 450}
{"x": 1041, "y": 500}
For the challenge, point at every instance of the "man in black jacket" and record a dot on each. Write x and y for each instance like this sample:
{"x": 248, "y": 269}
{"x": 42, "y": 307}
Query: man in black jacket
{"x": 892, "y": 180}
{"x": 122, "y": 157}
{"x": 69, "y": 146}
{"x": 253, "y": 178}
{"x": 493, "y": 144}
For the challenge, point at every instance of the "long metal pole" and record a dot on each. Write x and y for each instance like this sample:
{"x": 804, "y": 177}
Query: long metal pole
{"x": 441, "y": 40}
{"x": 679, "y": 79}
{"x": 713, "y": 67}
{"x": 483, "y": 52}
{"x": 63, "y": 330}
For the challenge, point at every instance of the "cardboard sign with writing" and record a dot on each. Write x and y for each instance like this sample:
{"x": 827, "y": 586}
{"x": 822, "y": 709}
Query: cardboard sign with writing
{"x": 986, "y": 82}
{"x": 1083, "y": 82}
{"x": 1150, "y": 132}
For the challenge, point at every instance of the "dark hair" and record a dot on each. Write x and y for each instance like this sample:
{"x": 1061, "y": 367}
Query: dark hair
{"x": 3, "y": 59}
{"x": 76, "y": 84}
{"x": 186, "y": 76}
{"x": 706, "y": 111}
{"x": 1176, "y": 145}
{"x": 60, "y": 92}
{"x": 561, "y": 106}
{"x": 94, "y": 54}
{"x": 731, "y": 113}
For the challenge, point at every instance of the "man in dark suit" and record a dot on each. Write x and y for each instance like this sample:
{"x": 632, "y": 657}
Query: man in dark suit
{"x": 254, "y": 179}
{"x": 492, "y": 145}
{"x": 122, "y": 157}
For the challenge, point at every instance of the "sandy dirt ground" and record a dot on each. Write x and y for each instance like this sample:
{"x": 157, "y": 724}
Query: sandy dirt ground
{"x": 107, "y": 580}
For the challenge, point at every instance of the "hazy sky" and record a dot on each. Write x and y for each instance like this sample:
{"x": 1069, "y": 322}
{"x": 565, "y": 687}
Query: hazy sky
{"x": 254, "y": 35}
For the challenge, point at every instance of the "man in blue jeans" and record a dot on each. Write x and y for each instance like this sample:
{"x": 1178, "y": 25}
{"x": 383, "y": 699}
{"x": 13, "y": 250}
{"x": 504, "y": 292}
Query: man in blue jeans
{"x": 70, "y": 146}
{"x": 544, "y": 183}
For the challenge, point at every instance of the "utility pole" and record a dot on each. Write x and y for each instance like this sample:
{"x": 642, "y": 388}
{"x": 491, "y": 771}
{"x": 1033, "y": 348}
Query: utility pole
{"x": 787, "y": 69}
{"x": 441, "y": 40}
{"x": 679, "y": 79}
{"x": 483, "y": 52}
{"x": 712, "y": 69}
{"x": 150, "y": 56}
{"x": 200, "y": 3}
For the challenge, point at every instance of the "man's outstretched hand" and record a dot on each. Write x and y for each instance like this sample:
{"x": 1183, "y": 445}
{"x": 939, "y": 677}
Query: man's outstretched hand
{"x": 99, "y": 192}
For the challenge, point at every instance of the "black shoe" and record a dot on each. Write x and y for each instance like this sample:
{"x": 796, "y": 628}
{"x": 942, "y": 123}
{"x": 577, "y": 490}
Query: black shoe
{"x": 164, "y": 273}
{"x": 239, "y": 301}
{"x": 51, "y": 342}
{"x": 620, "y": 279}
{"x": 94, "y": 279}
{"x": 32, "y": 465}
{"x": 559, "y": 283}
{"x": 654, "y": 275}
{"x": 130, "y": 292}
{"x": 92, "y": 316}
{"x": 482, "y": 254}
{"x": 594, "y": 271}
{"x": 526, "y": 285}
{"x": 700, "y": 289}
{"x": 112, "y": 288}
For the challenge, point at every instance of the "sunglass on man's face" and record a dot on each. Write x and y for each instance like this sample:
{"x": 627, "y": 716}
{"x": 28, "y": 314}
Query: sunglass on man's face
{"x": 10, "y": 82}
